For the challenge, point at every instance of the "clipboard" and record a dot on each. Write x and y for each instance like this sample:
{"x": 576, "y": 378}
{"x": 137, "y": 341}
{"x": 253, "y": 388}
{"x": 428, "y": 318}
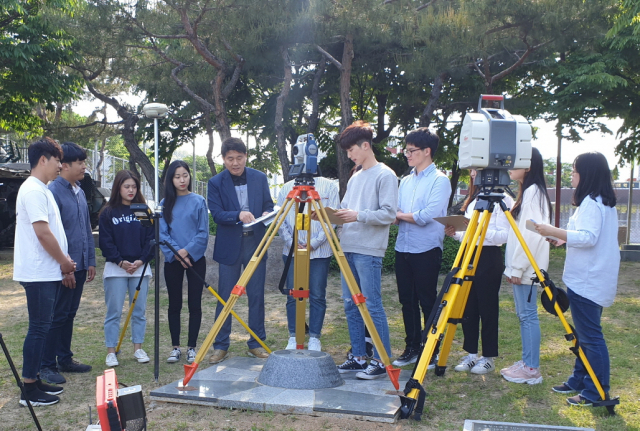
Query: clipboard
{"x": 459, "y": 222}
{"x": 265, "y": 219}
{"x": 529, "y": 224}
{"x": 333, "y": 218}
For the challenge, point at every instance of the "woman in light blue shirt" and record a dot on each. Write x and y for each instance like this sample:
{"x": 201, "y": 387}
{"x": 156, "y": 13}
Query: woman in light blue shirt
{"x": 184, "y": 225}
{"x": 590, "y": 270}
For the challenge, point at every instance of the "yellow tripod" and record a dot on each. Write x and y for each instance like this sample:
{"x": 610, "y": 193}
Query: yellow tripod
{"x": 303, "y": 193}
{"x": 449, "y": 308}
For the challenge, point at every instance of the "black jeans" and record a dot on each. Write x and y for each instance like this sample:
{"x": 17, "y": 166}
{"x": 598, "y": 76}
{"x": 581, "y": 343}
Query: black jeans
{"x": 173, "y": 276}
{"x": 58, "y": 343}
{"x": 417, "y": 278}
{"x": 483, "y": 304}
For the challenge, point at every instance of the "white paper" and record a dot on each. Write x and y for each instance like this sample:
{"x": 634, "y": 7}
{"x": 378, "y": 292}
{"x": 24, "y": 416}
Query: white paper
{"x": 265, "y": 219}
{"x": 532, "y": 227}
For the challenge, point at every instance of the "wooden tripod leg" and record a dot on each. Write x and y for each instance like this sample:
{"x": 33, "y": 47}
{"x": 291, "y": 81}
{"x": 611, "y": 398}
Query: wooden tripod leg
{"x": 239, "y": 289}
{"x": 356, "y": 294}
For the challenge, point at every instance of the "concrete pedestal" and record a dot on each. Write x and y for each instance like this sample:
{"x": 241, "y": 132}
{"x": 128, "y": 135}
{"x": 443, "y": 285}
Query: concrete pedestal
{"x": 300, "y": 369}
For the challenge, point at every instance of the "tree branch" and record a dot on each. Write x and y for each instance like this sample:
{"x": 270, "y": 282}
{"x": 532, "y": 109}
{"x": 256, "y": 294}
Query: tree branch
{"x": 82, "y": 126}
{"x": 329, "y": 57}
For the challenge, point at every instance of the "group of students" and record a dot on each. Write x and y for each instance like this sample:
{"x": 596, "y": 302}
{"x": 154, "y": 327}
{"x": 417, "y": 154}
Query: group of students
{"x": 590, "y": 274}
{"x": 373, "y": 201}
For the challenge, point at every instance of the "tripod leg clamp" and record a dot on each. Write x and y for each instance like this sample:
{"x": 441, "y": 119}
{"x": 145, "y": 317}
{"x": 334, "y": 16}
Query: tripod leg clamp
{"x": 358, "y": 298}
{"x": 299, "y": 293}
{"x": 238, "y": 290}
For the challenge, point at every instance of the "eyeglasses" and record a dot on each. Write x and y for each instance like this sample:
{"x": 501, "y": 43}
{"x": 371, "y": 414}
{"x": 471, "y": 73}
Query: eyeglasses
{"x": 408, "y": 153}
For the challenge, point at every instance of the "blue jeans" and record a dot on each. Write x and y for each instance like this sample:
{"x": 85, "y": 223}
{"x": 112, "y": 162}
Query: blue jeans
{"x": 586, "y": 316}
{"x": 527, "y": 312}
{"x": 318, "y": 273}
{"x": 41, "y": 300}
{"x": 59, "y": 340}
{"x": 367, "y": 271}
{"x": 227, "y": 279}
{"x": 115, "y": 290}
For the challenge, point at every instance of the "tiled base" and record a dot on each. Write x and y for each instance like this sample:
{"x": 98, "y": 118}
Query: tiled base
{"x": 473, "y": 425}
{"x": 232, "y": 384}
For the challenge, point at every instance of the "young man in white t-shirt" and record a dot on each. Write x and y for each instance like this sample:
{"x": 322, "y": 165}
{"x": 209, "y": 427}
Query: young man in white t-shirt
{"x": 40, "y": 263}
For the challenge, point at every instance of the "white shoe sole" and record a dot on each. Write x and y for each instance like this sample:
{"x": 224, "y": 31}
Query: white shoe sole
{"x": 535, "y": 381}
{"x": 399, "y": 363}
{"x": 482, "y": 371}
{"x": 464, "y": 368}
{"x": 172, "y": 360}
{"x": 38, "y": 403}
{"x": 142, "y": 360}
{"x": 112, "y": 364}
{"x": 365, "y": 376}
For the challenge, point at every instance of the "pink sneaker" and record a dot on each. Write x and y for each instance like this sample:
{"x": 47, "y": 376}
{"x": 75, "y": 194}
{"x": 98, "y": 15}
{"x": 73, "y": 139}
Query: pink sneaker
{"x": 515, "y": 366}
{"x": 523, "y": 374}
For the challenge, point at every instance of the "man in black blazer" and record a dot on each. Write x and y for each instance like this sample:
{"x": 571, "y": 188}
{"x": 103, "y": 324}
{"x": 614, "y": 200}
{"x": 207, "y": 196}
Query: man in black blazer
{"x": 236, "y": 197}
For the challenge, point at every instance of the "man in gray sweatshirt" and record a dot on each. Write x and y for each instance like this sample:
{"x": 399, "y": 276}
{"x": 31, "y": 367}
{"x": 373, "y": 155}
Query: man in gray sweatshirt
{"x": 367, "y": 209}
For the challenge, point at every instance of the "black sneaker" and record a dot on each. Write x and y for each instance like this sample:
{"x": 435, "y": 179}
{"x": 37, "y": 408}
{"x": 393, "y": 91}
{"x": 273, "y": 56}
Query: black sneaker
{"x": 368, "y": 350}
{"x": 74, "y": 366}
{"x": 409, "y": 356}
{"x": 579, "y": 401}
{"x": 375, "y": 370}
{"x": 49, "y": 389}
{"x": 51, "y": 375}
{"x": 563, "y": 389}
{"x": 352, "y": 365}
{"x": 38, "y": 398}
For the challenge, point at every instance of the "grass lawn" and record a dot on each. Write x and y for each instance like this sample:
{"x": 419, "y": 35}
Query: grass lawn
{"x": 450, "y": 399}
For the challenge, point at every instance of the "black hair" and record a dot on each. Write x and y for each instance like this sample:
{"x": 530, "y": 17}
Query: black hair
{"x": 46, "y": 147}
{"x": 233, "y": 144}
{"x": 72, "y": 152}
{"x": 356, "y": 134}
{"x": 535, "y": 176}
{"x": 423, "y": 138}
{"x": 595, "y": 179}
{"x": 170, "y": 194}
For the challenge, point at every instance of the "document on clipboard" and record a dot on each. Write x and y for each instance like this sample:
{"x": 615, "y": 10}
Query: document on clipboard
{"x": 531, "y": 225}
{"x": 265, "y": 219}
{"x": 459, "y": 222}
{"x": 333, "y": 218}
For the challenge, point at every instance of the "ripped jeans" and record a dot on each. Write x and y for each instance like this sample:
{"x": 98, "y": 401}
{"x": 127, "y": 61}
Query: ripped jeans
{"x": 367, "y": 271}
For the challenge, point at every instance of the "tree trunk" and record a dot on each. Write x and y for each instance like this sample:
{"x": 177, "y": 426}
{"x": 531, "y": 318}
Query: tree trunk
{"x": 345, "y": 108}
{"x": 455, "y": 176}
{"x": 436, "y": 90}
{"x": 222, "y": 121}
{"x": 314, "y": 118}
{"x": 280, "y": 103}
{"x": 100, "y": 162}
{"x": 129, "y": 122}
{"x": 209, "y": 126}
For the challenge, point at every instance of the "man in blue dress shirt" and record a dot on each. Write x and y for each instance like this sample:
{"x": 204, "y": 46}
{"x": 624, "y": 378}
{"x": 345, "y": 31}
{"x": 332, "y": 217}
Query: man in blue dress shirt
{"x": 423, "y": 195}
{"x": 236, "y": 197}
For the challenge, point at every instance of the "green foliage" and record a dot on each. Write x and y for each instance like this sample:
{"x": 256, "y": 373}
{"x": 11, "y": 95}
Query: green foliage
{"x": 33, "y": 50}
{"x": 550, "y": 173}
{"x": 213, "y": 227}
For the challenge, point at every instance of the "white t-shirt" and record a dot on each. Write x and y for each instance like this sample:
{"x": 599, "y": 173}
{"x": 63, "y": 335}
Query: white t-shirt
{"x": 31, "y": 262}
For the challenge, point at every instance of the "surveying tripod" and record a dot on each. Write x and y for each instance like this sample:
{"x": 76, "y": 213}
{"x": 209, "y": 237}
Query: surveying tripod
{"x": 452, "y": 299}
{"x": 303, "y": 193}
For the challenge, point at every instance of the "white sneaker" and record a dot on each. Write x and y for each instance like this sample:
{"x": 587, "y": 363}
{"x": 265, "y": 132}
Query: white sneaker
{"x": 191, "y": 355}
{"x": 291, "y": 345}
{"x": 141, "y": 356}
{"x": 483, "y": 366}
{"x": 467, "y": 363}
{"x": 112, "y": 360}
{"x": 174, "y": 356}
{"x": 314, "y": 344}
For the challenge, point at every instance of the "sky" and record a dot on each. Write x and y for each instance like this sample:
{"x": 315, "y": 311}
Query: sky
{"x": 545, "y": 141}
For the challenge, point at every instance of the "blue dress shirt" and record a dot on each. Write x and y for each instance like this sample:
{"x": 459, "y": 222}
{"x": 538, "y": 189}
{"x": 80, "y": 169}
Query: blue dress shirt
{"x": 425, "y": 195}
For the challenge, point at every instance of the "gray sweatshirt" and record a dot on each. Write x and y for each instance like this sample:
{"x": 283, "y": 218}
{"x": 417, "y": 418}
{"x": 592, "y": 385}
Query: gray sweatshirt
{"x": 374, "y": 194}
